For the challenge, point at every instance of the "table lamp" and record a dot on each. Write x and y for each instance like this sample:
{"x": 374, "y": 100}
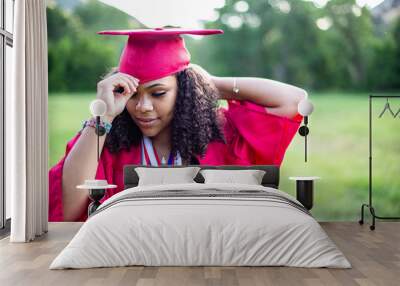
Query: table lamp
{"x": 305, "y": 108}
{"x": 98, "y": 108}
{"x": 97, "y": 188}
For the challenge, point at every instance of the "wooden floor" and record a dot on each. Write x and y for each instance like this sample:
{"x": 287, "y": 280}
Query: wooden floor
{"x": 374, "y": 255}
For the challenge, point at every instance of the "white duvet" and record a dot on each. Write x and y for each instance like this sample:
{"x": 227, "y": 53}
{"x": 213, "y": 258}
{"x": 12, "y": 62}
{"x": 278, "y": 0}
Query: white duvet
{"x": 190, "y": 230}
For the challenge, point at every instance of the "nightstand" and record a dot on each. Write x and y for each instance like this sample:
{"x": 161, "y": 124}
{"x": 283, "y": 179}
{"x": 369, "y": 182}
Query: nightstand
{"x": 305, "y": 190}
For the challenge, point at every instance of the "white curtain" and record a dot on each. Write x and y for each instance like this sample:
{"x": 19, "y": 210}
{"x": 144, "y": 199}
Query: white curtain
{"x": 26, "y": 117}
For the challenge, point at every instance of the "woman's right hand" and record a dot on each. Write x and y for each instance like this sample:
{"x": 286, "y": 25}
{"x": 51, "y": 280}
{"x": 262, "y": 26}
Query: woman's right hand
{"x": 115, "y": 101}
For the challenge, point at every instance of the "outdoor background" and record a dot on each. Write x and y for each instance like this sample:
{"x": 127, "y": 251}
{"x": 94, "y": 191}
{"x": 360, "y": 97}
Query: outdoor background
{"x": 340, "y": 51}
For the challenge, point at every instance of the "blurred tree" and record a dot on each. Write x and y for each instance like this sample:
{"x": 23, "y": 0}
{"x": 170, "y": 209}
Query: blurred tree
{"x": 396, "y": 62}
{"x": 78, "y": 56}
{"x": 354, "y": 34}
{"x": 384, "y": 71}
{"x": 95, "y": 16}
{"x": 330, "y": 47}
{"x": 58, "y": 24}
{"x": 296, "y": 42}
{"x": 276, "y": 39}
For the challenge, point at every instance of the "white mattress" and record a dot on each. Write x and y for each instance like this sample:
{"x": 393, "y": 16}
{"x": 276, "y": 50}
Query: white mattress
{"x": 190, "y": 230}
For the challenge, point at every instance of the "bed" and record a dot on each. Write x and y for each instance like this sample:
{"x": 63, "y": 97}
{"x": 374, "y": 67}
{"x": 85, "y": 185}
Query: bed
{"x": 201, "y": 224}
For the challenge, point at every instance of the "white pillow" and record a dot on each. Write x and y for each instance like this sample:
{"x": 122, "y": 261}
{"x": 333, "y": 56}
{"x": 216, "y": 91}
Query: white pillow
{"x": 169, "y": 175}
{"x": 249, "y": 177}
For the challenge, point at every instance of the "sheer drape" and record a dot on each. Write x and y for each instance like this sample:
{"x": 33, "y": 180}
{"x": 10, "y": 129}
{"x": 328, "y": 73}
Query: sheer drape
{"x": 27, "y": 141}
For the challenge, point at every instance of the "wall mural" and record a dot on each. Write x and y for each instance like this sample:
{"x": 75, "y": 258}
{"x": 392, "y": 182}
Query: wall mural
{"x": 241, "y": 92}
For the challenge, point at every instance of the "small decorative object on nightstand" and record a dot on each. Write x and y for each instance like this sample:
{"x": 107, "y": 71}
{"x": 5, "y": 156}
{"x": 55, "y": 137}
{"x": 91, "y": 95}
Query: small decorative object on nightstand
{"x": 305, "y": 190}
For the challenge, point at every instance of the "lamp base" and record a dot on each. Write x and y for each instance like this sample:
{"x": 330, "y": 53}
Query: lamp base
{"x": 95, "y": 195}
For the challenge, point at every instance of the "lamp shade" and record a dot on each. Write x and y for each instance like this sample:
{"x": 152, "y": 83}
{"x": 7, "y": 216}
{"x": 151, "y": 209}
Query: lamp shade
{"x": 98, "y": 107}
{"x": 305, "y": 107}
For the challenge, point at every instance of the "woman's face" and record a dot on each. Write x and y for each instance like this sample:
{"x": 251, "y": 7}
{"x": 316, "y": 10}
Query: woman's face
{"x": 152, "y": 106}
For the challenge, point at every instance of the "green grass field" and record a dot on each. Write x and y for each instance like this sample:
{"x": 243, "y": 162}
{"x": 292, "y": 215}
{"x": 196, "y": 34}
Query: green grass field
{"x": 338, "y": 151}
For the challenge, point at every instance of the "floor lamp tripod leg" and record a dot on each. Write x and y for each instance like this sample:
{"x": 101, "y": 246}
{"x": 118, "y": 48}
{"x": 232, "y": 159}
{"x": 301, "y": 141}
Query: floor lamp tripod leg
{"x": 361, "y": 221}
{"x": 372, "y": 210}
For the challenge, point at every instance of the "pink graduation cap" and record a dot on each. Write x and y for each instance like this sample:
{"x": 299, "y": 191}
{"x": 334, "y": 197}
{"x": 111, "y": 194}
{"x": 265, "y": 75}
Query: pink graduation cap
{"x": 155, "y": 53}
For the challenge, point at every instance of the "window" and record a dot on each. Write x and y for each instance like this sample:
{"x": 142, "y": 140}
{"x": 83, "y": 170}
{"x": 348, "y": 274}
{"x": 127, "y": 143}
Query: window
{"x": 6, "y": 44}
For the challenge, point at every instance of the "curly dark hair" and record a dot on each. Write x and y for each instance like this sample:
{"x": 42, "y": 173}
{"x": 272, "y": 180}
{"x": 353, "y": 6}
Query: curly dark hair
{"x": 195, "y": 122}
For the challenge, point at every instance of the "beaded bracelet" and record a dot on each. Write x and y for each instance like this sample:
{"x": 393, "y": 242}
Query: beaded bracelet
{"x": 104, "y": 127}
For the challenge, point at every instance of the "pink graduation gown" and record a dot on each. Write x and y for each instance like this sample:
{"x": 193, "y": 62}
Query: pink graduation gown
{"x": 253, "y": 137}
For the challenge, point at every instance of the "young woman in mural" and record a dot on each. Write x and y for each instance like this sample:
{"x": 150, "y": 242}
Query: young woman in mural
{"x": 164, "y": 110}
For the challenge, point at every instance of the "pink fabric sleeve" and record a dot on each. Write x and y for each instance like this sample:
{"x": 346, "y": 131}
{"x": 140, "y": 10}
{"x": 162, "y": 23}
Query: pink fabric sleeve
{"x": 55, "y": 182}
{"x": 256, "y": 136}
